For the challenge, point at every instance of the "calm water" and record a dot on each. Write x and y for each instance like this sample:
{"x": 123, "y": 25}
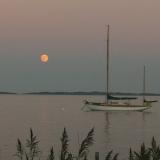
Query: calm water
{"x": 48, "y": 115}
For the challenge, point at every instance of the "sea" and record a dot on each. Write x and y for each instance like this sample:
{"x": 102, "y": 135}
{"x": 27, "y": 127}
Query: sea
{"x": 48, "y": 115}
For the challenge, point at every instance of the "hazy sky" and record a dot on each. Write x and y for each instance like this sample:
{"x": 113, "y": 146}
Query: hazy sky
{"x": 72, "y": 33}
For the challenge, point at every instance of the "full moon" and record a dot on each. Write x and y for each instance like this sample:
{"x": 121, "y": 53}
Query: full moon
{"x": 44, "y": 58}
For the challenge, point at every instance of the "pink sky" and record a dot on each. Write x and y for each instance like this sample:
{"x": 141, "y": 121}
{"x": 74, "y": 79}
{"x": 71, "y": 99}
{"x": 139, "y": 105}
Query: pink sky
{"x": 73, "y": 34}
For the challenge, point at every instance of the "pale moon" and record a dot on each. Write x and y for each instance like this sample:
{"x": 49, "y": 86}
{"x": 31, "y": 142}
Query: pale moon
{"x": 44, "y": 58}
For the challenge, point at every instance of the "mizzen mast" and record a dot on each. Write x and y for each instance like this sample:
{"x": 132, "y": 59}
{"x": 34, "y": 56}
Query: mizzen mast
{"x": 144, "y": 83}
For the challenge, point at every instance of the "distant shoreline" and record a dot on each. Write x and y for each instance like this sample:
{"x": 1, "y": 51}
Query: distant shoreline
{"x": 80, "y": 93}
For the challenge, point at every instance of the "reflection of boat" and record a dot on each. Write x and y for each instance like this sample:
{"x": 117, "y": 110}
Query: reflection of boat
{"x": 116, "y": 106}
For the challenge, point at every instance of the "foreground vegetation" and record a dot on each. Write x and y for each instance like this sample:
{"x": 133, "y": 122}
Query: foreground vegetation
{"x": 31, "y": 151}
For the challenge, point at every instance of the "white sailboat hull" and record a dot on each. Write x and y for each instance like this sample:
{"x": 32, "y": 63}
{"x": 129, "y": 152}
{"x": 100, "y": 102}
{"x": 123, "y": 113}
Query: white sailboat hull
{"x": 110, "y": 107}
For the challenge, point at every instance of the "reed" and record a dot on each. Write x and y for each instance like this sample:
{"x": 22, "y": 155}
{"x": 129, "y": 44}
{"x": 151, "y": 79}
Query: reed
{"x": 110, "y": 157}
{"x": 143, "y": 154}
{"x": 51, "y": 154}
{"x": 86, "y": 143}
{"x": 154, "y": 150}
{"x": 64, "y": 147}
{"x": 31, "y": 151}
{"x": 20, "y": 150}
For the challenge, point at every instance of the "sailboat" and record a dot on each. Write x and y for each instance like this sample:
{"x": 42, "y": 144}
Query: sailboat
{"x": 109, "y": 105}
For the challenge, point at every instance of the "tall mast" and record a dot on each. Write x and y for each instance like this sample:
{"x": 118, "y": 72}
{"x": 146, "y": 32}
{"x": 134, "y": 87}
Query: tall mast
{"x": 144, "y": 83}
{"x": 107, "y": 89}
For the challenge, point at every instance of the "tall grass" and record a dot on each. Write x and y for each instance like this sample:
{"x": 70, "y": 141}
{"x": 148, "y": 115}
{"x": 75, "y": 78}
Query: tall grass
{"x": 86, "y": 143}
{"x": 30, "y": 150}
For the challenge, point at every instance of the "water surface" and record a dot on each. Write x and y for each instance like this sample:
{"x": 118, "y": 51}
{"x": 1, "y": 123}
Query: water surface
{"x": 48, "y": 115}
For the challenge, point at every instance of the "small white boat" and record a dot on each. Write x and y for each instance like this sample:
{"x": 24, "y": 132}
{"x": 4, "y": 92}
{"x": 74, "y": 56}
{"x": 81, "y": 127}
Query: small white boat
{"x": 120, "y": 105}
